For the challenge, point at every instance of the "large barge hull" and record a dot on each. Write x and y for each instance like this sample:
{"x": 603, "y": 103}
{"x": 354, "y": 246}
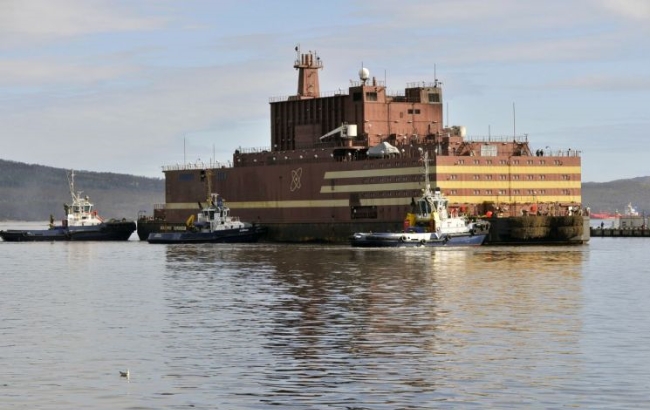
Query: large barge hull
{"x": 503, "y": 231}
{"x": 326, "y": 201}
{"x": 539, "y": 230}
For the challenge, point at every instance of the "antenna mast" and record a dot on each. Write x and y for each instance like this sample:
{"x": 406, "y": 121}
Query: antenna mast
{"x": 514, "y": 122}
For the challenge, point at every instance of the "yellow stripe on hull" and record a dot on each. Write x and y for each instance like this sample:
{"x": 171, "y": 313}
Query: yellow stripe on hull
{"x": 327, "y": 203}
{"x": 370, "y": 187}
{"x": 327, "y": 189}
{"x": 366, "y": 173}
{"x": 339, "y": 203}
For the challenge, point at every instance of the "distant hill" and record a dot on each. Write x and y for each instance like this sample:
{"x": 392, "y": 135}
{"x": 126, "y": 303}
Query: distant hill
{"x": 33, "y": 192}
{"x": 615, "y": 195}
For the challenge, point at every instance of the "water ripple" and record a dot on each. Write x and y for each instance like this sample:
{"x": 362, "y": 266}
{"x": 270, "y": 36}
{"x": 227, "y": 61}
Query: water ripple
{"x": 324, "y": 327}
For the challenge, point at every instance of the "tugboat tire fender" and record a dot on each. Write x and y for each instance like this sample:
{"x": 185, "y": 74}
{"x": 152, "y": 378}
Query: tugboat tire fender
{"x": 402, "y": 238}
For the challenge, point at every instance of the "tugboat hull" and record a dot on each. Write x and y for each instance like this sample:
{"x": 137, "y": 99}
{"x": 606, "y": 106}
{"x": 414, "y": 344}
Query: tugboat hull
{"x": 242, "y": 235}
{"x": 385, "y": 239}
{"x": 107, "y": 231}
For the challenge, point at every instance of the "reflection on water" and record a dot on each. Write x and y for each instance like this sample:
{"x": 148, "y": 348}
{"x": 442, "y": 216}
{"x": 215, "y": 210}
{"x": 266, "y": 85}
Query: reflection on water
{"x": 355, "y": 327}
{"x": 324, "y": 327}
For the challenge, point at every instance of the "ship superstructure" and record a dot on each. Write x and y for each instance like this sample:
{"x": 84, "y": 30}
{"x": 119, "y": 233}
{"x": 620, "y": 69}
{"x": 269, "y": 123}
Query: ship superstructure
{"x": 350, "y": 161}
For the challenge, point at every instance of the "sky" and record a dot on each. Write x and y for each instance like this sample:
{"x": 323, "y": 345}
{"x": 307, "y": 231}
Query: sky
{"x": 131, "y": 86}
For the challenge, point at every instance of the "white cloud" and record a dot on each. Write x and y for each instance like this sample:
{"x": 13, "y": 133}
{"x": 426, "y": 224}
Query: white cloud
{"x": 25, "y": 21}
{"x": 605, "y": 82}
{"x": 638, "y": 10}
{"x": 115, "y": 126}
{"x": 41, "y": 71}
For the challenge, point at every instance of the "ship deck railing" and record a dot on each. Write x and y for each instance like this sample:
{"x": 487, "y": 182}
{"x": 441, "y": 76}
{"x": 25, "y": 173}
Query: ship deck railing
{"x": 196, "y": 165}
{"x": 254, "y": 150}
{"x": 320, "y": 95}
{"x": 322, "y": 152}
{"x": 400, "y": 94}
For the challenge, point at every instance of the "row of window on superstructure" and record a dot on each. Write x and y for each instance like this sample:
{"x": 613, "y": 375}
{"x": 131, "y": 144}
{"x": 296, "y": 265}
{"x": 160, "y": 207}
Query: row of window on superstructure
{"x": 454, "y": 177}
{"x": 476, "y": 192}
{"x": 516, "y": 177}
{"x": 510, "y": 162}
{"x": 517, "y": 192}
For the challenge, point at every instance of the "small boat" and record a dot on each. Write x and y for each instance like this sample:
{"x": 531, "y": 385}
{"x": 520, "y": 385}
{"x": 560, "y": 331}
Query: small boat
{"x": 630, "y": 211}
{"x": 213, "y": 224}
{"x": 603, "y": 215}
{"x": 82, "y": 223}
{"x": 431, "y": 223}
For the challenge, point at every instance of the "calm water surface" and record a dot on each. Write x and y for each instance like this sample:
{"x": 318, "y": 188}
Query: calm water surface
{"x": 324, "y": 327}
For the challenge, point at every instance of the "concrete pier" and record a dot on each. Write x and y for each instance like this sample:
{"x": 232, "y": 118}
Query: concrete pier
{"x": 620, "y": 232}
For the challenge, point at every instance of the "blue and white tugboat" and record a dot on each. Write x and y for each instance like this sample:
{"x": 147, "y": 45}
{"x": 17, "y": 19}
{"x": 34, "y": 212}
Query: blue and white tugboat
{"x": 429, "y": 224}
{"x": 81, "y": 223}
{"x": 213, "y": 224}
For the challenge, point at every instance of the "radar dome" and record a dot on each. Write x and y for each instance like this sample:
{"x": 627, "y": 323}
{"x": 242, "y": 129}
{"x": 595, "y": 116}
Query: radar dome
{"x": 364, "y": 74}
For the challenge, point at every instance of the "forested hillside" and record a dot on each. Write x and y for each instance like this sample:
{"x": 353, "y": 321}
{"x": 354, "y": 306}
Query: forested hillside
{"x": 33, "y": 192}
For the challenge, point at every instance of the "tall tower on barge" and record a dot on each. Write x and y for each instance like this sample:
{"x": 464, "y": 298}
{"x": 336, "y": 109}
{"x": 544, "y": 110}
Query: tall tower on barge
{"x": 307, "y": 66}
{"x": 300, "y": 121}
